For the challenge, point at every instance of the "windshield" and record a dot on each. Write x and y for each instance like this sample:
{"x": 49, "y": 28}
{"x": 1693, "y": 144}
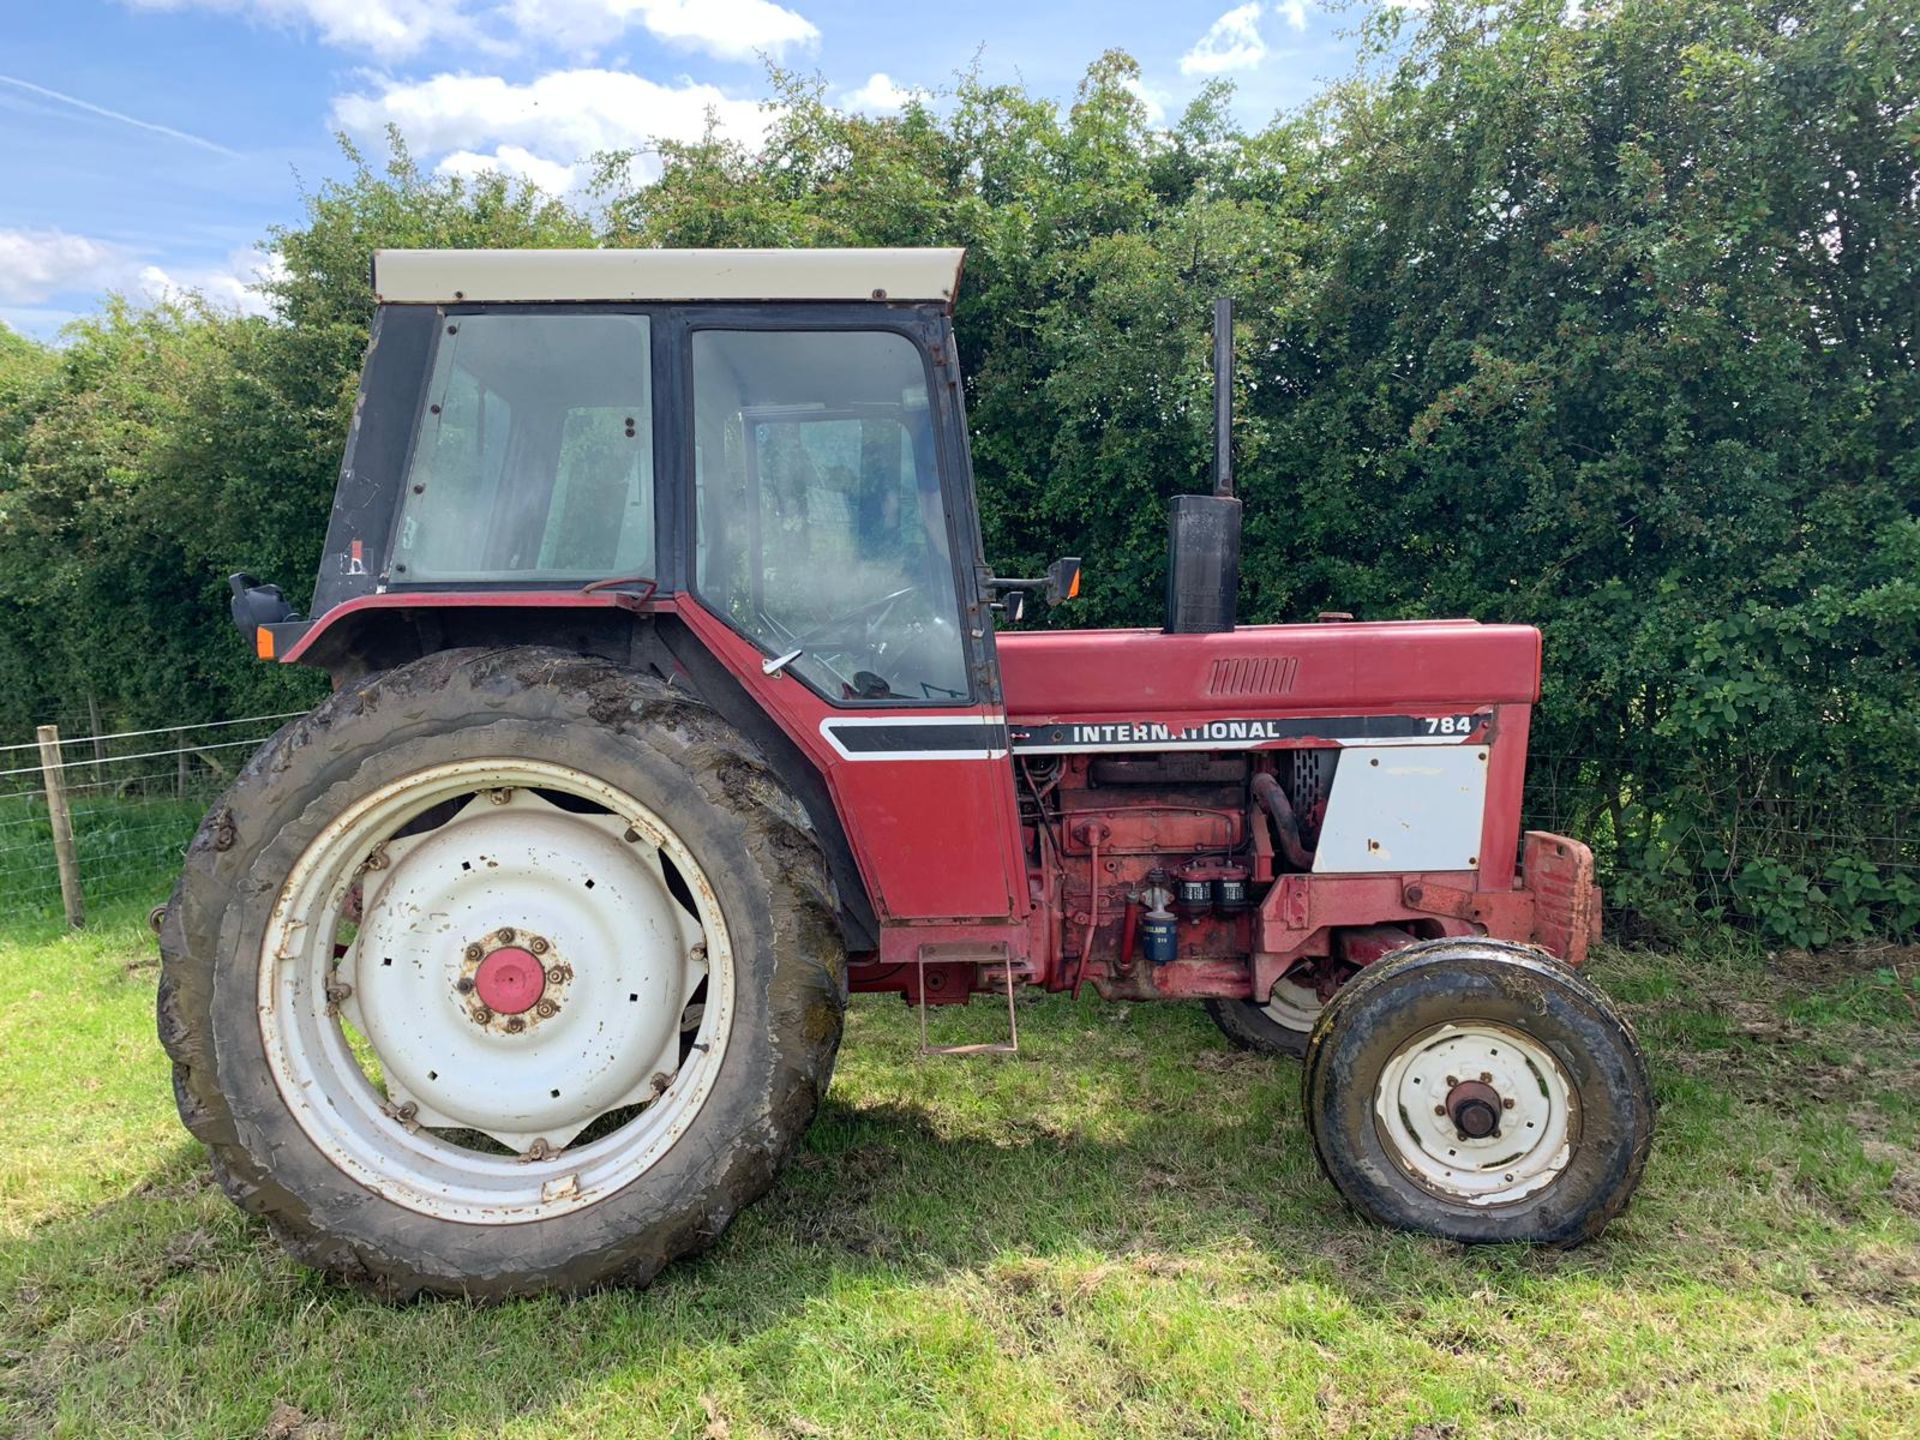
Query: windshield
{"x": 535, "y": 455}
{"x": 821, "y": 525}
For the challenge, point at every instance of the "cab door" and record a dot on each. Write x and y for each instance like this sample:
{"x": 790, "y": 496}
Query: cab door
{"x": 832, "y": 568}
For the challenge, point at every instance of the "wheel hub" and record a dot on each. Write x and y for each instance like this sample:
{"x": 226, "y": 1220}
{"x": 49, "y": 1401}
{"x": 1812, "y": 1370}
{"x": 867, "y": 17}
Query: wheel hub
{"x": 1477, "y": 1112}
{"x": 1475, "y": 1108}
{"x": 510, "y": 981}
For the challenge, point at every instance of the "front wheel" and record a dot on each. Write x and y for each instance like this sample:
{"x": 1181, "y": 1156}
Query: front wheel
{"x": 1479, "y": 1091}
{"x": 502, "y": 972}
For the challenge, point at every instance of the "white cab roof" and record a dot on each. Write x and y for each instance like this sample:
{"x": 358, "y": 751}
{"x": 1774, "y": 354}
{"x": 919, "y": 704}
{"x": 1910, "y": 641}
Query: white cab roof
{"x": 449, "y": 277}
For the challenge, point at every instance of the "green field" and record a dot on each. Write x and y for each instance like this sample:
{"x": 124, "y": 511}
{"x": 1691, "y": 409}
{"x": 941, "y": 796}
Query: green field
{"x": 1120, "y": 1232}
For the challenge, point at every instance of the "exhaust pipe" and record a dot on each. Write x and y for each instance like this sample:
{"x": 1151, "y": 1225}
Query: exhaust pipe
{"x": 1203, "y": 531}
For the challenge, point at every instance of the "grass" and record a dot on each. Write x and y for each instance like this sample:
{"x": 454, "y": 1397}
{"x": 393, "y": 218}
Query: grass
{"x": 1119, "y": 1232}
{"x": 126, "y": 848}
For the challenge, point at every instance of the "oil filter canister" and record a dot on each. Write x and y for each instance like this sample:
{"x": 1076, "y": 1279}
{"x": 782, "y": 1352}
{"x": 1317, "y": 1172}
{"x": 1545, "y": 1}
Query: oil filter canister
{"x": 1230, "y": 889}
{"x": 1159, "y": 936}
{"x": 1193, "y": 891}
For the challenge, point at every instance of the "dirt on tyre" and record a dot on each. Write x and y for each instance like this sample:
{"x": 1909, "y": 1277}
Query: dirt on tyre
{"x": 507, "y": 971}
{"x": 1480, "y": 1091}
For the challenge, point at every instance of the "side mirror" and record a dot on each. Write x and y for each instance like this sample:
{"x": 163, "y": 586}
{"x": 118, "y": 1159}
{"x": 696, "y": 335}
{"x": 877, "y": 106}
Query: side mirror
{"x": 1009, "y": 597}
{"x": 1063, "y": 579}
{"x": 255, "y": 605}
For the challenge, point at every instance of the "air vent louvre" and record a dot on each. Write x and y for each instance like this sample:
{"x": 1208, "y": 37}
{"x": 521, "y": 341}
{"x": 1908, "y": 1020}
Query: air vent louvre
{"x": 1252, "y": 675}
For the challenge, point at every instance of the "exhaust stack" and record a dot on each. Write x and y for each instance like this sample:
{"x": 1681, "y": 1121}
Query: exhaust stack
{"x": 1203, "y": 531}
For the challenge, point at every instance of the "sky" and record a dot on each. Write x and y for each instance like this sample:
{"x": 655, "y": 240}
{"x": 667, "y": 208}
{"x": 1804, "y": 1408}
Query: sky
{"x": 147, "y": 146}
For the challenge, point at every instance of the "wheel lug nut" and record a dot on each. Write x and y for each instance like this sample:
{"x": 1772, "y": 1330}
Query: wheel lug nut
{"x": 537, "y": 945}
{"x": 546, "y": 1009}
{"x": 1439, "y": 1109}
{"x": 473, "y": 952}
{"x": 481, "y": 1014}
{"x": 1486, "y": 1077}
{"x": 464, "y": 984}
{"x": 515, "y": 1024}
{"x": 505, "y": 937}
{"x": 1507, "y": 1104}
{"x": 1452, "y": 1080}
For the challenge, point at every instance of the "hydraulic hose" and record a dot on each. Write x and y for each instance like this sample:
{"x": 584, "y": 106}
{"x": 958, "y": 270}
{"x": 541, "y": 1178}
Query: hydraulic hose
{"x": 1286, "y": 826}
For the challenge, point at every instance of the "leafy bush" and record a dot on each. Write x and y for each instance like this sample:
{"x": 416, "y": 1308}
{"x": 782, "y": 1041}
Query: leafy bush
{"x": 1606, "y": 323}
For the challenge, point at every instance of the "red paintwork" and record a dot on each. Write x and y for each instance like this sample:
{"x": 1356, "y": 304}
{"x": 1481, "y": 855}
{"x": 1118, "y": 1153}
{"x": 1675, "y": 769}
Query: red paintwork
{"x": 935, "y": 840}
{"x": 1335, "y": 669}
{"x": 1506, "y": 778}
{"x": 965, "y": 894}
{"x": 467, "y": 600}
{"x": 510, "y": 981}
{"x": 1566, "y": 914}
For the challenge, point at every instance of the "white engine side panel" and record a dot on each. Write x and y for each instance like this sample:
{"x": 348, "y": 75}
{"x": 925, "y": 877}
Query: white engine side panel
{"x": 1404, "y": 807}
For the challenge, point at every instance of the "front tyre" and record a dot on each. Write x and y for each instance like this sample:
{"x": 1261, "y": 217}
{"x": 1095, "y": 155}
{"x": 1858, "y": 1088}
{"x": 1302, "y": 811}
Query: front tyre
{"x": 503, "y": 972}
{"x": 1479, "y": 1091}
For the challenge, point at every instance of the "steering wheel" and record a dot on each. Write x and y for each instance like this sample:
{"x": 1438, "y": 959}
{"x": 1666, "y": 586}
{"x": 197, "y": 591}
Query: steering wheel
{"x": 870, "y": 616}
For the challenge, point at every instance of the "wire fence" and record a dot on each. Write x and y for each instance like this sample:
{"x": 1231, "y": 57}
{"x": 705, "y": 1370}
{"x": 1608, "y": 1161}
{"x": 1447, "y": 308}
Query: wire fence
{"x": 1798, "y": 860}
{"x": 134, "y": 797}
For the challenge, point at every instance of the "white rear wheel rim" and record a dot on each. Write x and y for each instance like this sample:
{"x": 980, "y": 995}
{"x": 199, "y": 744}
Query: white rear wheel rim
{"x": 1538, "y": 1113}
{"x": 1292, "y": 1005}
{"x": 626, "y": 928}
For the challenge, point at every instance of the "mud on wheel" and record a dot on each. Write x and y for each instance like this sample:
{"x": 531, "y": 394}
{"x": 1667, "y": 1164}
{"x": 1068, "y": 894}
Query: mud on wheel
{"x": 505, "y": 971}
{"x": 1480, "y": 1091}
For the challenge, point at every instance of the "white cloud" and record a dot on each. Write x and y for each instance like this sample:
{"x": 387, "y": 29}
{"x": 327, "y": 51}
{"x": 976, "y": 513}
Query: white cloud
{"x": 38, "y": 264}
{"x": 549, "y": 175}
{"x": 547, "y": 124}
{"x": 1154, "y": 101}
{"x": 880, "y": 95}
{"x": 1232, "y": 42}
{"x": 1294, "y": 12}
{"x": 729, "y": 29}
{"x": 232, "y": 286}
{"x": 390, "y": 27}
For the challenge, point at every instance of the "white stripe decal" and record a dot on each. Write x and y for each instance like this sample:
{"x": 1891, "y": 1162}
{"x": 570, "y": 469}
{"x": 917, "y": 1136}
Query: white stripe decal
{"x": 893, "y": 737}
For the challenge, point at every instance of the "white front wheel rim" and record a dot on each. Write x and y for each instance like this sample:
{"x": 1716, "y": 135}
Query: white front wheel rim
{"x": 614, "y": 961}
{"x": 1438, "y": 1078}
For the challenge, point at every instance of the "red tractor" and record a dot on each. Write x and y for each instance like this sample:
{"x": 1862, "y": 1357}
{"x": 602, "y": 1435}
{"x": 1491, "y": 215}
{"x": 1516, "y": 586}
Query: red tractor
{"x": 669, "y": 710}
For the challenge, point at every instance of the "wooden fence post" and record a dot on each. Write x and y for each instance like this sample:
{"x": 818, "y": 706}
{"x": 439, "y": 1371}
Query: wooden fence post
{"x": 62, "y": 818}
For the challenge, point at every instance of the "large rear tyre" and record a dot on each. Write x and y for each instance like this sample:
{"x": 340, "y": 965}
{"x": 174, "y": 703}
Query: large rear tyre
{"x": 1480, "y": 1091}
{"x": 504, "y": 972}
{"x": 1280, "y": 1026}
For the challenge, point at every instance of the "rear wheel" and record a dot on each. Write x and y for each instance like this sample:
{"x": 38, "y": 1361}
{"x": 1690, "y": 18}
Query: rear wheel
{"x": 506, "y": 971}
{"x": 1280, "y": 1026}
{"x": 1479, "y": 1091}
